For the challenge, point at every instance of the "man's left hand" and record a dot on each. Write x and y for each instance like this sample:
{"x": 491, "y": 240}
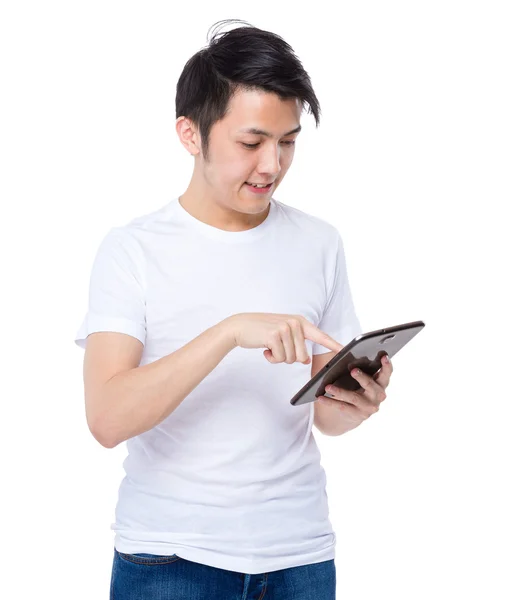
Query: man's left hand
{"x": 355, "y": 407}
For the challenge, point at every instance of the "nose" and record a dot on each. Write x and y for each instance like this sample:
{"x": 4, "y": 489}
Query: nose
{"x": 270, "y": 161}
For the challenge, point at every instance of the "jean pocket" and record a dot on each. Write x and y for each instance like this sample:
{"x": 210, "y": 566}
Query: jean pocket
{"x": 142, "y": 558}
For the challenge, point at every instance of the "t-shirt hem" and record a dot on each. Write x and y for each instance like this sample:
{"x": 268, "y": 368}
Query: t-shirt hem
{"x": 93, "y": 323}
{"x": 235, "y": 564}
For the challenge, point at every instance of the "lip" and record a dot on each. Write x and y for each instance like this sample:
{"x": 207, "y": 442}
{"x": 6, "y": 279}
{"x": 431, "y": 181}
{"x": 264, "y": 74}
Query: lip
{"x": 259, "y": 191}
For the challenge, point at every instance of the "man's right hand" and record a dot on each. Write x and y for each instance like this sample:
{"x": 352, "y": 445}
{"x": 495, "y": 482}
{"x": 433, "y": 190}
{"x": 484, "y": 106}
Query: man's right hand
{"x": 283, "y": 336}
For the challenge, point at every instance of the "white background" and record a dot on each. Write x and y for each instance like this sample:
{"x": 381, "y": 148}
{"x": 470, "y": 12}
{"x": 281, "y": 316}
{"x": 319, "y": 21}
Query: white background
{"x": 416, "y": 161}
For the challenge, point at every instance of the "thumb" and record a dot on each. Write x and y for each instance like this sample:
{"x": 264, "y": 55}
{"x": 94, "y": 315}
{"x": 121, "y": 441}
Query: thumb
{"x": 268, "y": 355}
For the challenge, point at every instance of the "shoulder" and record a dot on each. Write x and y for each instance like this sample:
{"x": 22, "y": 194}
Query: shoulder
{"x": 135, "y": 234}
{"x": 312, "y": 226}
{"x": 121, "y": 251}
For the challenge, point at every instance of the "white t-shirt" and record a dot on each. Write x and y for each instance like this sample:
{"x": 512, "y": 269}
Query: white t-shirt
{"x": 231, "y": 478}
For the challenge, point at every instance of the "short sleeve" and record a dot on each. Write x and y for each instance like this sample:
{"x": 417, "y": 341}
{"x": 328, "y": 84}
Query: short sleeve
{"x": 116, "y": 290}
{"x": 339, "y": 319}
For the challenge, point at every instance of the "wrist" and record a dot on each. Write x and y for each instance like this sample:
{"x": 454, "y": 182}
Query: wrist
{"x": 227, "y": 327}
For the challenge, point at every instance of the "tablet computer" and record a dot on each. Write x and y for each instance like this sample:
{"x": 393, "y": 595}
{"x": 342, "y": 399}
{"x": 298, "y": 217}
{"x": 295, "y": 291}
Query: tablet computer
{"x": 365, "y": 351}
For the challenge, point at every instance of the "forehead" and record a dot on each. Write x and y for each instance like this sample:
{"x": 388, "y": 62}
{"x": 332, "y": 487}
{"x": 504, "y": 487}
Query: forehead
{"x": 262, "y": 110}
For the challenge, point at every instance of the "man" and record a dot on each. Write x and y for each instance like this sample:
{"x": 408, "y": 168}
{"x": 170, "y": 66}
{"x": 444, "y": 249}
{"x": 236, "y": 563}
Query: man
{"x": 224, "y": 495}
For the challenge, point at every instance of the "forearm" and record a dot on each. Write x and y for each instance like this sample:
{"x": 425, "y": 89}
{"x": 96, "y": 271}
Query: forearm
{"x": 328, "y": 421}
{"x": 138, "y": 400}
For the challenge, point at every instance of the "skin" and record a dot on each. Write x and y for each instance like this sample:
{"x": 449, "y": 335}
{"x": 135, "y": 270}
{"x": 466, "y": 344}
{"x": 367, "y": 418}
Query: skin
{"x": 217, "y": 194}
{"x": 350, "y": 409}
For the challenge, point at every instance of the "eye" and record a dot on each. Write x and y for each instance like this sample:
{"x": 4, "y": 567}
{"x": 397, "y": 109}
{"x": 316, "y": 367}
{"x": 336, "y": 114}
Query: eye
{"x": 251, "y": 146}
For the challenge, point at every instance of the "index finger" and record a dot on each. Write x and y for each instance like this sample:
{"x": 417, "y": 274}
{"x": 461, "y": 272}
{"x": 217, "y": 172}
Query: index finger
{"x": 317, "y": 335}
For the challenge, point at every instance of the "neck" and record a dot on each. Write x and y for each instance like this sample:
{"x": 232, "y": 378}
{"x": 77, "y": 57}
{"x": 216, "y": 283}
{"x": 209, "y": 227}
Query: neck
{"x": 206, "y": 207}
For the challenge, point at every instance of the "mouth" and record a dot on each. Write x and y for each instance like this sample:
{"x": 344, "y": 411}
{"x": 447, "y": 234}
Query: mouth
{"x": 262, "y": 188}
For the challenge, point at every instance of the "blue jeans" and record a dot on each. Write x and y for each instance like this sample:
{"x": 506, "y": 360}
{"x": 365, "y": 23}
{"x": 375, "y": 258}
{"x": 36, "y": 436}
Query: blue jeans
{"x": 150, "y": 577}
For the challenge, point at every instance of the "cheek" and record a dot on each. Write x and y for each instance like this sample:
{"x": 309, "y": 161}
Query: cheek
{"x": 285, "y": 164}
{"x": 288, "y": 158}
{"x": 228, "y": 168}
{"x": 238, "y": 168}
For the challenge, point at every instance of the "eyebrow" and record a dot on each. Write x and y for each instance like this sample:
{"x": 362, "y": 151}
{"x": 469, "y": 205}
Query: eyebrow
{"x": 266, "y": 133}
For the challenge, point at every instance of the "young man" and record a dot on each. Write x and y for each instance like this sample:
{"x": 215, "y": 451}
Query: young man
{"x": 224, "y": 494}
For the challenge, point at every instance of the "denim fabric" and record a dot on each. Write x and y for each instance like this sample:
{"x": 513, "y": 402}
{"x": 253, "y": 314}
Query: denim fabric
{"x": 150, "y": 577}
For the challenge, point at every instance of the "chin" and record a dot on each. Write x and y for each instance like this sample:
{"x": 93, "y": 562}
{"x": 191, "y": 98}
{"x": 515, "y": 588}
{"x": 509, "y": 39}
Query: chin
{"x": 254, "y": 205}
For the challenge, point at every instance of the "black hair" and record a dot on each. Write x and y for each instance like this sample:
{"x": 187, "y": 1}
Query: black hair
{"x": 245, "y": 58}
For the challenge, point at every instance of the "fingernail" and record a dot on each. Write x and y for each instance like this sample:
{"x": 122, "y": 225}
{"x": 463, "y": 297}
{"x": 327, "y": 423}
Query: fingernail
{"x": 386, "y": 359}
{"x": 355, "y": 372}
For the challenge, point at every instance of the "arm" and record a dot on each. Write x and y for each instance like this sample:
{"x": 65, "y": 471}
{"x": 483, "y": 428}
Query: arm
{"x": 348, "y": 409}
{"x": 136, "y": 399}
{"x": 326, "y": 417}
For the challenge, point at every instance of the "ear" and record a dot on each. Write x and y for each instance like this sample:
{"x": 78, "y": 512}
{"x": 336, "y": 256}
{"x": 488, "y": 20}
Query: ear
{"x": 188, "y": 135}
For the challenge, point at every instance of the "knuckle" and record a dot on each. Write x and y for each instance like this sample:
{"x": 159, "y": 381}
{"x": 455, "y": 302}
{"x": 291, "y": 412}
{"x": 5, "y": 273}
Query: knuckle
{"x": 293, "y": 322}
{"x": 284, "y": 328}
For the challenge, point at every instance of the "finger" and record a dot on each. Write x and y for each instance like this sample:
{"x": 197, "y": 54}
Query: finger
{"x": 375, "y": 392}
{"x": 363, "y": 404}
{"x": 386, "y": 364}
{"x": 277, "y": 347}
{"x": 286, "y": 335}
{"x": 316, "y": 335}
{"x": 346, "y": 396}
{"x": 383, "y": 378}
{"x": 268, "y": 356}
{"x": 300, "y": 342}
{"x": 340, "y": 405}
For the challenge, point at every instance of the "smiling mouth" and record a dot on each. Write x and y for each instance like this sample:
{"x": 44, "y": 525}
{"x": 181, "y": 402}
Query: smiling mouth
{"x": 262, "y": 186}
